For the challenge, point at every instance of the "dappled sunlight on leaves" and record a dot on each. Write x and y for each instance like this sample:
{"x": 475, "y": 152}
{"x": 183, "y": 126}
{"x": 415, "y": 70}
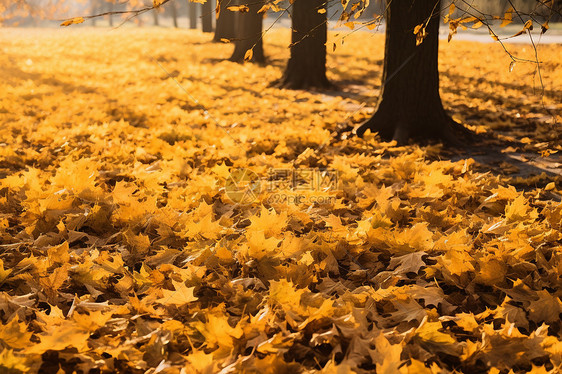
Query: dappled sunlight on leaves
{"x": 123, "y": 251}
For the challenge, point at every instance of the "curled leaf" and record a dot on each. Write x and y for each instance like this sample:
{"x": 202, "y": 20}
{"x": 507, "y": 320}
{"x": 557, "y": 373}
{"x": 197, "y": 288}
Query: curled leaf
{"x": 507, "y": 17}
{"x": 420, "y": 33}
{"x": 264, "y": 8}
{"x": 248, "y": 55}
{"x": 477, "y": 25}
{"x": 73, "y": 21}
{"x": 239, "y": 8}
{"x": 511, "y": 66}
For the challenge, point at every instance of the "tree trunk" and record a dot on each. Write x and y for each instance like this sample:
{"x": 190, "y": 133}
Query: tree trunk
{"x": 207, "y": 16}
{"x": 307, "y": 66}
{"x": 174, "y": 12}
{"x": 192, "y": 14}
{"x": 94, "y": 9}
{"x": 249, "y": 32}
{"x": 155, "y": 17}
{"x": 409, "y": 105}
{"x": 110, "y": 9}
{"x": 225, "y": 22}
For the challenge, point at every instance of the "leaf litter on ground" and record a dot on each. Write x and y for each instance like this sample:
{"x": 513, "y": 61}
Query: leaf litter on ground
{"x": 121, "y": 250}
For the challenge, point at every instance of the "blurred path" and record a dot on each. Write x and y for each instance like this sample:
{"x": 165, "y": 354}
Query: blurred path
{"x": 552, "y": 36}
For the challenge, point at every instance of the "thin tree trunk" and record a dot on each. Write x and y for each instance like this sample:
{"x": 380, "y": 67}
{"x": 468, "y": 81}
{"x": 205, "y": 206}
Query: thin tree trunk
{"x": 225, "y": 22}
{"x": 155, "y": 17}
{"x": 110, "y": 7}
{"x": 174, "y": 12}
{"x": 249, "y": 32}
{"x": 94, "y": 7}
{"x": 207, "y": 16}
{"x": 192, "y": 14}
{"x": 307, "y": 66}
{"x": 409, "y": 104}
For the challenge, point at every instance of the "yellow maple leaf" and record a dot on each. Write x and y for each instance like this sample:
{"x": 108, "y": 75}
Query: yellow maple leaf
{"x": 57, "y": 338}
{"x": 336, "y": 226}
{"x": 431, "y": 337}
{"x": 271, "y": 223}
{"x": 417, "y": 367}
{"x": 205, "y": 227}
{"x": 492, "y": 271}
{"x": 59, "y": 254}
{"x": 12, "y": 362}
{"x": 413, "y": 239}
{"x": 259, "y": 246}
{"x": 182, "y": 295}
{"x": 93, "y": 320}
{"x": 201, "y": 362}
{"x": 140, "y": 243}
{"x": 123, "y": 193}
{"x": 546, "y": 309}
{"x": 276, "y": 344}
{"x": 456, "y": 261}
{"x": 519, "y": 210}
{"x": 52, "y": 282}
{"x": 386, "y": 356}
{"x": 285, "y": 294}
{"x": 15, "y": 334}
{"x": 4, "y": 273}
{"x": 218, "y": 332}
{"x": 55, "y": 317}
{"x": 77, "y": 176}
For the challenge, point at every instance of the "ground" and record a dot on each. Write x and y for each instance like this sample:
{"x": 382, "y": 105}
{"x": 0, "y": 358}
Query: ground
{"x": 163, "y": 209}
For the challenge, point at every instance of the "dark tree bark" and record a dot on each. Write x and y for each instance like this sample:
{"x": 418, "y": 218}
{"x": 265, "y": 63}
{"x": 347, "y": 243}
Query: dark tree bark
{"x": 174, "y": 12}
{"x": 207, "y": 16}
{"x": 225, "y": 22}
{"x": 307, "y": 65}
{"x": 249, "y": 32}
{"x": 409, "y": 105}
{"x": 192, "y": 14}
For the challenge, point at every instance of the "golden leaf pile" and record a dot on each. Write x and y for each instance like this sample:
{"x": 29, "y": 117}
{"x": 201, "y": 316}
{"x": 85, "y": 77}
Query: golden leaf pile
{"x": 121, "y": 252}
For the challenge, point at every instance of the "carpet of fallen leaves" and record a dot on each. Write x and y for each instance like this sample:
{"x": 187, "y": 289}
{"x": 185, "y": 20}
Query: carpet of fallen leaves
{"x": 121, "y": 251}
